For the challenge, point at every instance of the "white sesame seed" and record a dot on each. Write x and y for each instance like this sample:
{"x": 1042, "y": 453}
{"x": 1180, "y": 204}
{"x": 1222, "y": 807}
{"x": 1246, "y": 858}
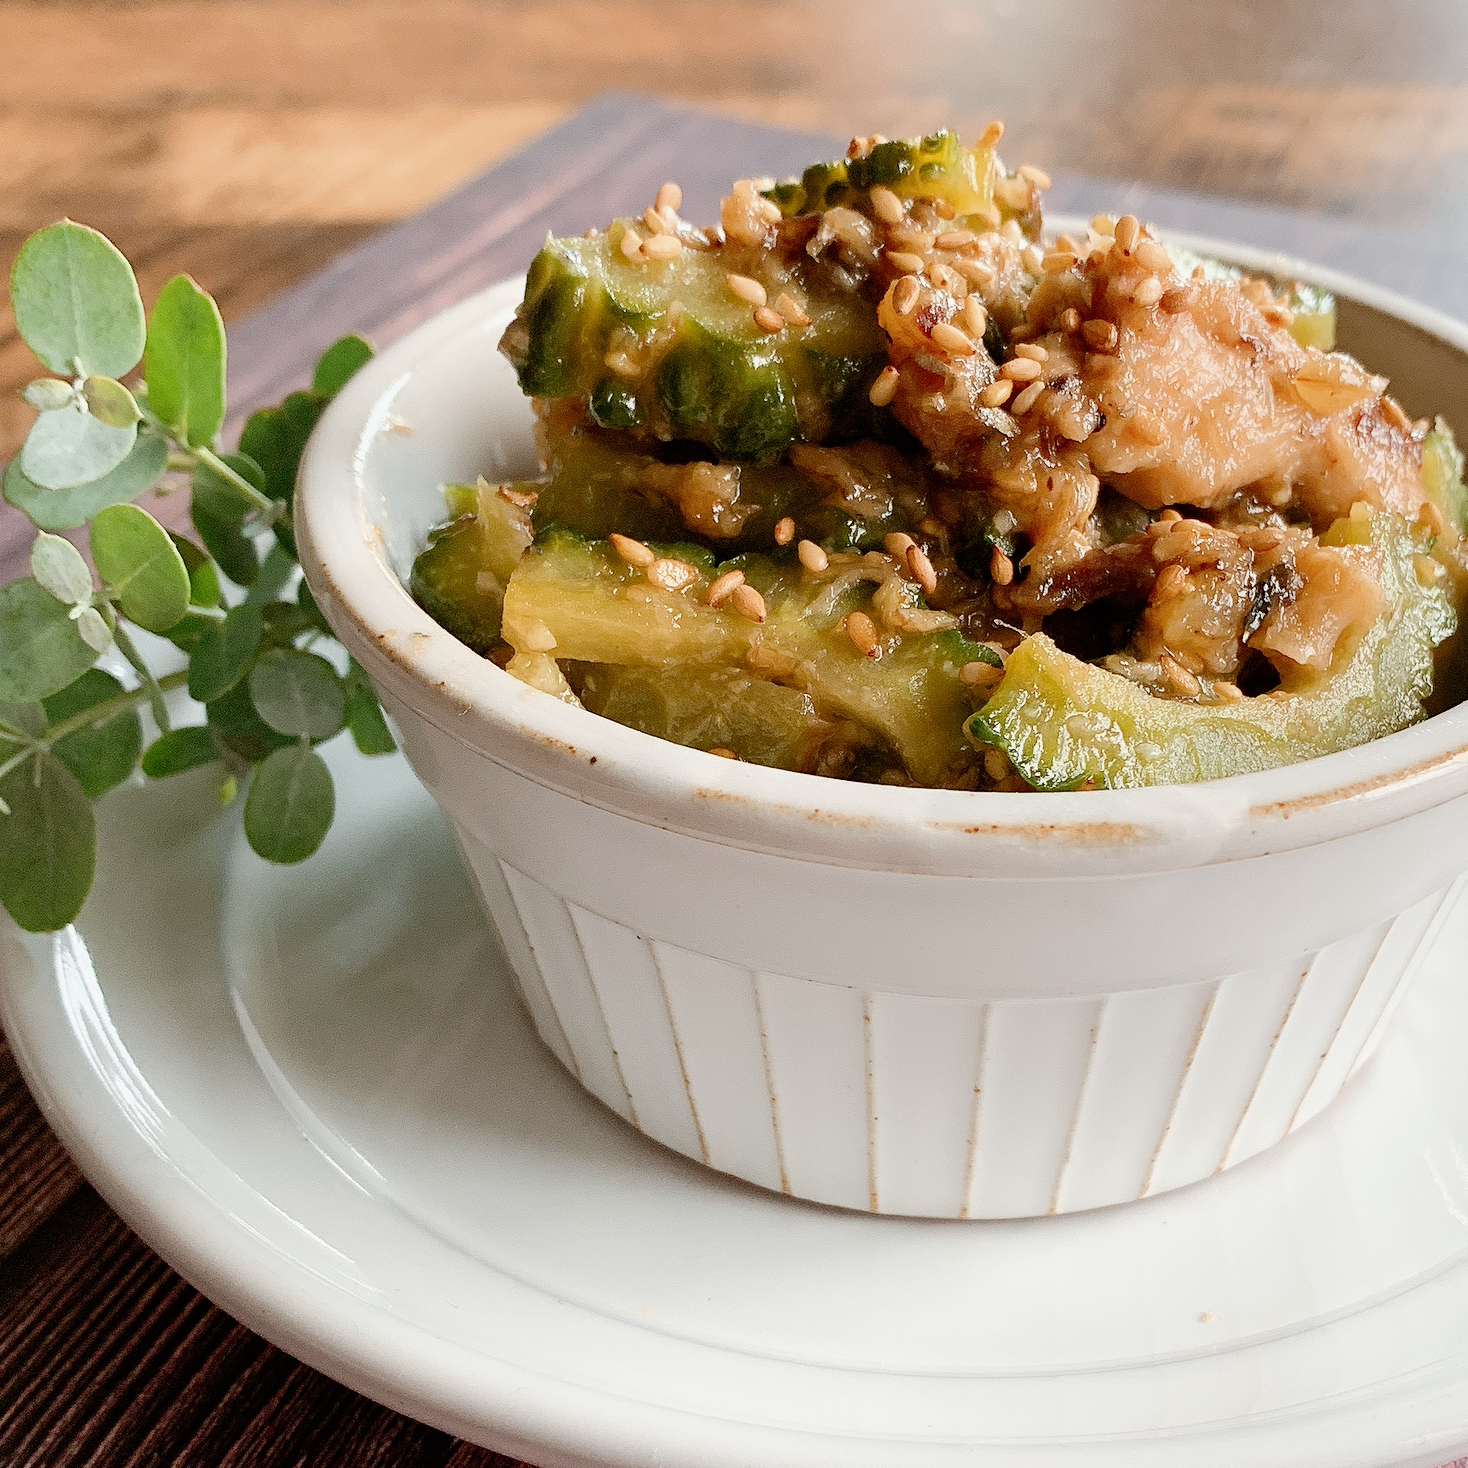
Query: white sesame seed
{"x": 1036, "y": 176}
{"x": 1027, "y": 398}
{"x": 670, "y": 196}
{"x": 671, "y": 574}
{"x": 747, "y": 289}
{"x": 784, "y": 530}
{"x": 906, "y": 262}
{"x": 662, "y": 247}
{"x": 791, "y": 309}
{"x": 812, "y": 557}
{"x": 768, "y": 320}
{"x": 748, "y": 602}
{"x": 1033, "y": 352}
{"x": 634, "y": 552}
{"x": 721, "y": 588}
{"x": 997, "y": 393}
{"x": 884, "y": 389}
{"x": 951, "y": 339}
{"x": 631, "y": 245}
{"x": 886, "y": 205}
{"x": 1020, "y": 369}
{"x": 1149, "y": 292}
{"x": 975, "y": 317}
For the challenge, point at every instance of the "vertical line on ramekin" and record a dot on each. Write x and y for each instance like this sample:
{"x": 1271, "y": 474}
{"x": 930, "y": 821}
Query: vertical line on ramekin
{"x": 1268, "y": 1057}
{"x": 1340, "y": 1025}
{"x": 602, "y": 1013}
{"x": 764, "y": 1044}
{"x": 1075, "y": 1121}
{"x": 657, "y": 964}
{"x": 550, "y": 998}
{"x": 981, "y": 1052}
{"x": 873, "y": 1196}
{"x": 1182, "y": 1081}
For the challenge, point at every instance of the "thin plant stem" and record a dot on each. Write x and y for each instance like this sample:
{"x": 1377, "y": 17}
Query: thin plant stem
{"x": 271, "y": 511}
{"x": 119, "y": 703}
{"x": 128, "y": 649}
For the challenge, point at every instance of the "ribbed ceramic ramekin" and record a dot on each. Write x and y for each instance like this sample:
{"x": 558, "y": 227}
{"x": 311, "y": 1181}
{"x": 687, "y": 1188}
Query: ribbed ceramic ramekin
{"x": 941, "y": 1003}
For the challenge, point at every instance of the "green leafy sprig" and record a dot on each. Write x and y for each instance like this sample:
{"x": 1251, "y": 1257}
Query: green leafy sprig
{"x": 252, "y": 647}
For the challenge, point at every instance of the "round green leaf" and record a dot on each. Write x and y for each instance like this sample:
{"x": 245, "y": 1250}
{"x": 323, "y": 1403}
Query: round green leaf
{"x": 240, "y": 729}
{"x": 218, "y": 509}
{"x": 47, "y": 394}
{"x": 141, "y": 566}
{"x": 64, "y": 509}
{"x": 41, "y": 650}
{"x": 224, "y": 653}
{"x": 48, "y": 844}
{"x": 184, "y": 361}
{"x": 365, "y": 719}
{"x": 76, "y": 299}
{"x": 102, "y": 755}
{"x": 62, "y": 569}
{"x": 94, "y": 629}
{"x": 311, "y": 611}
{"x": 339, "y": 362}
{"x": 290, "y": 805}
{"x": 110, "y": 402}
{"x": 298, "y": 693}
{"x": 204, "y": 588}
{"x": 179, "y": 750}
{"x": 68, "y": 448}
{"x": 276, "y": 437}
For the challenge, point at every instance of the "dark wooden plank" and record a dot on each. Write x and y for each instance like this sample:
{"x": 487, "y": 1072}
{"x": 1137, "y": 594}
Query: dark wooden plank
{"x": 36, "y": 1175}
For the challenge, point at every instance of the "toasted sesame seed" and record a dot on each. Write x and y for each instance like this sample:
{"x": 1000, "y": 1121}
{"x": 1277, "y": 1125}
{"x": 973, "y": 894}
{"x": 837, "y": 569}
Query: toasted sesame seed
{"x": 1152, "y": 255}
{"x": 1032, "y": 260}
{"x": 1036, "y": 176}
{"x": 1429, "y": 517}
{"x": 990, "y": 136}
{"x": 975, "y": 317}
{"x": 1001, "y": 568}
{"x": 1032, "y": 351}
{"x": 663, "y": 247}
{"x": 631, "y": 551}
{"x": 884, "y": 388}
{"x": 1171, "y": 581}
{"x": 631, "y": 245}
{"x": 654, "y": 221}
{"x": 670, "y": 196}
{"x": 905, "y": 295}
{"x": 671, "y": 574}
{"x": 721, "y": 588}
{"x": 1178, "y": 678}
{"x": 1070, "y": 320}
{"x": 1128, "y": 229}
{"x": 976, "y": 272}
{"x": 951, "y": 339}
{"x": 955, "y": 239}
{"x": 1229, "y": 692}
{"x": 1021, "y": 369}
{"x": 863, "y": 633}
{"x": 791, "y": 309}
{"x": 922, "y": 569}
{"x": 768, "y": 320}
{"x": 747, "y": 289}
{"x": 1149, "y": 291}
{"x": 896, "y": 542}
{"x": 906, "y": 262}
{"x": 1027, "y": 398}
{"x": 1057, "y": 260}
{"x": 812, "y": 557}
{"x": 723, "y": 752}
{"x": 979, "y": 674}
{"x": 1100, "y": 335}
{"x": 886, "y": 205}
{"x": 748, "y": 602}
{"x": 1178, "y": 297}
{"x": 997, "y": 393}
{"x": 784, "y": 530}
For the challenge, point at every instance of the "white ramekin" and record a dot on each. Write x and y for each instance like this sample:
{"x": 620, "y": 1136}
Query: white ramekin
{"x": 923, "y": 1002}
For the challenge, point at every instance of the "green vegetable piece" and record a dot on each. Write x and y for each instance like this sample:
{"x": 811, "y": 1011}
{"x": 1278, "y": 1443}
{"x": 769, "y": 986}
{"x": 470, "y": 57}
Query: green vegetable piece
{"x": 64, "y": 509}
{"x": 224, "y": 653}
{"x": 48, "y": 844}
{"x": 41, "y": 650}
{"x": 141, "y": 566}
{"x": 1314, "y": 315}
{"x": 204, "y": 589}
{"x": 290, "y": 805}
{"x": 110, "y": 402}
{"x": 100, "y": 755}
{"x": 298, "y": 693}
{"x": 339, "y": 363}
{"x": 62, "y": 569}
{"x": 1062, "y": 721}
{"x": 179, "y": 750}
{"x": 1442, "y": 475}
{"x": 240, "y": 729}
{"x": 70, "y": 448}
{"x": 185, "y": 361}
{"x": 76, "y": 300}
{"x": 366, "y": 721}
{"x": 720, "y": 378}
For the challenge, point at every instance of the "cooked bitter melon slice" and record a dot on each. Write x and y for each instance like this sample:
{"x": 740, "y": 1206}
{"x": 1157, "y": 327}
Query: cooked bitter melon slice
{"x": 1063, "y": 722}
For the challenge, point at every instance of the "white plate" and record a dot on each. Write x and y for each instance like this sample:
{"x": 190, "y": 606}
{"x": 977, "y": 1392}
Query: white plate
{"x": 312, "y": 1091}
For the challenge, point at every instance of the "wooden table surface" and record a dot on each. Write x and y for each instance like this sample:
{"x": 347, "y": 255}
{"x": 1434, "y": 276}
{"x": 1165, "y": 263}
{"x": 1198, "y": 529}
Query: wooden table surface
{"x": 253, "y": 142}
